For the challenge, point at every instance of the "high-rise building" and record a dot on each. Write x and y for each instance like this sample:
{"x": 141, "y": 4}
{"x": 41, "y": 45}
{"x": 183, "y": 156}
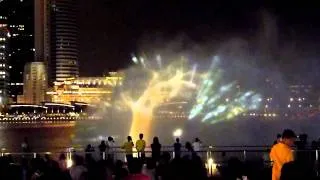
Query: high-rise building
{"x": 56, "y": 38}
{"x": 4, "y": 75}
{"x": 21, "y": 44}
{"x": 35, "y": 83}
{"x": 41, "y": 30}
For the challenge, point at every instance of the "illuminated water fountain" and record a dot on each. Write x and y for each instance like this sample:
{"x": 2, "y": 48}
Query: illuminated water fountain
{"x": 163, "y": 86}
{"x": 214, "y": 101}
{"x": 151, "y": 84}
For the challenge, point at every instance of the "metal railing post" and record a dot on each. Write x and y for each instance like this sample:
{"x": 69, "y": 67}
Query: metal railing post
{"x": 2, "y": 151}
{"x": 104, "y": 155}
{"x": 244, "y": 155}
{"x": 317, "y": 162}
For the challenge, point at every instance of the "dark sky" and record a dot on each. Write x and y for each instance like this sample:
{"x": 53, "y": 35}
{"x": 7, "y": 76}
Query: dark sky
{"x": 110, "y": 30}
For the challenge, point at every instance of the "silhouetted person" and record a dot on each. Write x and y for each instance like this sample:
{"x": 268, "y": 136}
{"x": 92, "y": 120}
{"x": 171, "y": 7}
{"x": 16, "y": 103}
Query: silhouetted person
{"x": 281, "y": 153}
{"x": 140, "y": 146}
{"x": 189, "y": 149}
{"x": 102, "y": 148}
{"x": 177, "y": 148}
{"x": 89, "y": 151}
{"x": 235, "y": 169}
{"x": 25, "y": 145}
{"x": 89, "y": 148}
{"x": 296, "y": 170}
{"x": 302, "y": 142}
{"x": 196, "y": 145}
{"x": 278, "y": 139}
{"x": 110, "y": 148}
{"x": 156, "y": 149}
{"x": 127, "y": 146}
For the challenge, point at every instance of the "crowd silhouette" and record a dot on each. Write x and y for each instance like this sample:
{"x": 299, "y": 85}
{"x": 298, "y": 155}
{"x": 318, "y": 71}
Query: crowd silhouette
{"x": 186, "y": 162}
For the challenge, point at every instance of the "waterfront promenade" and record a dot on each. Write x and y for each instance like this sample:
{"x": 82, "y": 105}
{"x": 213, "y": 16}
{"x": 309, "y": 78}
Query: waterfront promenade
{"x": 221, "y": 162}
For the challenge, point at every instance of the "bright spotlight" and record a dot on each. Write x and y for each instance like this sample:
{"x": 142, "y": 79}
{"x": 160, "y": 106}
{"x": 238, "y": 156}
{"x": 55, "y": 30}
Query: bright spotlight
{"x": 177, "y": 133}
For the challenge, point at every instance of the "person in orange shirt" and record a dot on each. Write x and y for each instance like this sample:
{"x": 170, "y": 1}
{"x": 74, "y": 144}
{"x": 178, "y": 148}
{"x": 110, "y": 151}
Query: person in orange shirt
{"x": 281, "y": 153}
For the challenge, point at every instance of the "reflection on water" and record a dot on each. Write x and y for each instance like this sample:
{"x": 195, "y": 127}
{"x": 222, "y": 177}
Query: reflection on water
{"x": 40, "y": 139}
{"x": 258, "y": 132}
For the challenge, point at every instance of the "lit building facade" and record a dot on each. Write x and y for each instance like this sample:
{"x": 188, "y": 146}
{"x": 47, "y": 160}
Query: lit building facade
{"x": 64, "y": 40}
{"x": 91, "y": 90}
{"x": 4, "y": 74}
{"x": 56, "y": 38}
{"x": 35, "y": 84}
{"x": 20, "y": 24}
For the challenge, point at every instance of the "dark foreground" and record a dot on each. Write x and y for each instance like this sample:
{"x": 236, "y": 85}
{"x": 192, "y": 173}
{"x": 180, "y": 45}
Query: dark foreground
{"x": 165, "y": 168}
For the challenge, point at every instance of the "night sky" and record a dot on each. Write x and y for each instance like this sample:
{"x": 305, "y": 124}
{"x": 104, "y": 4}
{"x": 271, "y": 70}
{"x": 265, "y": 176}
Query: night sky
{"x": 110, "y": 30}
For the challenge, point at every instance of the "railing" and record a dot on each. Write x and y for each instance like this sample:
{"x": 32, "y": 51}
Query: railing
{"x": 212, "y": 156}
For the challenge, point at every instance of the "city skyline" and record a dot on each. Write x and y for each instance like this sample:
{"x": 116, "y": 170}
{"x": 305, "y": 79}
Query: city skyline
{"x": 37, "y": 31}
{"x": 263, "y": 37}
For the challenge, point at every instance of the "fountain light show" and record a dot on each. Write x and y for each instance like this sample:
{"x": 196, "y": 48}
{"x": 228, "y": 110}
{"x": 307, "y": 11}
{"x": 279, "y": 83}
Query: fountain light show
{"x": 164, "y": 84}
{"x": 214, "y": 101}
{"x": 160, "y": 95}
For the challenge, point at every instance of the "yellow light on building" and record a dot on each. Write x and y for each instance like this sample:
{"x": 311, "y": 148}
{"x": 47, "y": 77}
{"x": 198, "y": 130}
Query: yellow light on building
{"x": 78, "y": 90}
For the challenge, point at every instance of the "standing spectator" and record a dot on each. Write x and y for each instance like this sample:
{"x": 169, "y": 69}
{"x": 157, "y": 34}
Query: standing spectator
{"x": 89, "y": 151}
{"x": 190, "y": 151}
{"x": 155, "y": 149}
{"x": 196, "y": 145}
{"x": 281, "y": 153}
{"x": 140, "y": 146}
{"x": 110, "y": 148}
{"x": 177, "y": 148}
{"x": 102, "y": 148}
{"x": 278, "y": 139}
{"x": 127, "y": 146}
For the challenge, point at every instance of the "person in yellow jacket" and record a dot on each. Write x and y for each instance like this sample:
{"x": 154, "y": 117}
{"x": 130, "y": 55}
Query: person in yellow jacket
{"x": 128, "y": 146}
{"x": 140, "y": 146}
{"x": 282, "y": 153}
